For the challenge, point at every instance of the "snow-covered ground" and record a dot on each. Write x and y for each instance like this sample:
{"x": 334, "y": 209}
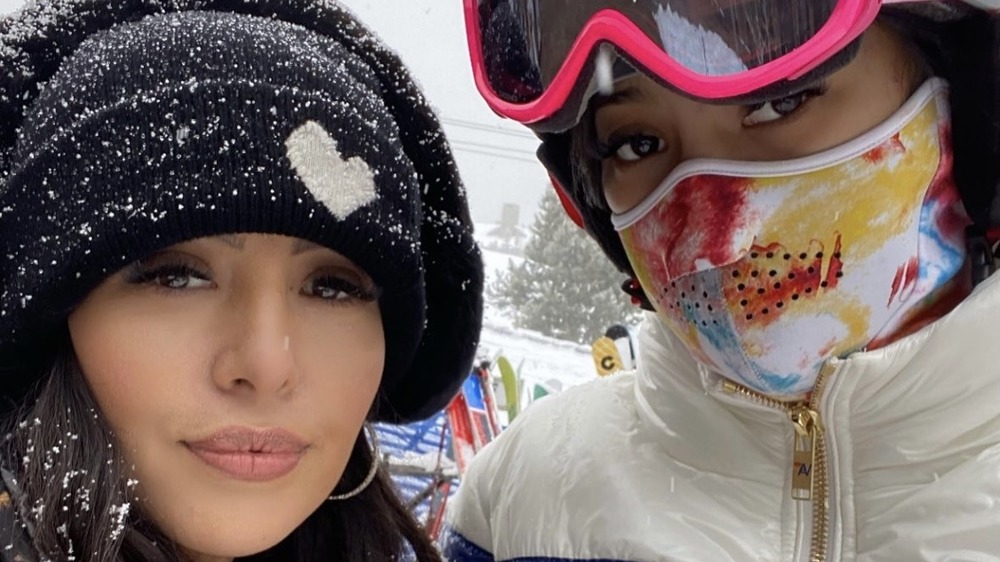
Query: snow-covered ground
{"x": 537, "y": 358}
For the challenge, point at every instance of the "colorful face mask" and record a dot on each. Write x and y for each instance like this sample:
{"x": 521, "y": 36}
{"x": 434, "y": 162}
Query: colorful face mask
{"x": 767, "y": 269}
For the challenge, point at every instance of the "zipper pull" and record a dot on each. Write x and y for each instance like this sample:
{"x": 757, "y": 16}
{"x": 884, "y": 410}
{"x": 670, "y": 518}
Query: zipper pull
{"x": 806, "y": 424}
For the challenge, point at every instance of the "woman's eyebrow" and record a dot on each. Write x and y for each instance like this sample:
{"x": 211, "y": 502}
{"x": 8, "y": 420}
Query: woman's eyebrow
{"x": 232, "y": 240}
{"x": 304, "y": 246}
{"x": 239, "y": 242}
{"x": 630, "y": 93}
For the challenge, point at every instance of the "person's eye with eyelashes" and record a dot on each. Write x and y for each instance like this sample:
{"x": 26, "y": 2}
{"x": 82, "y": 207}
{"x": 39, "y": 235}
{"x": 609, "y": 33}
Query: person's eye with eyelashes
{"x": 630, "y": 147}
{"x": 780, "y": 108}
{"x": 339, "y": 288}
{"x": 168, "y": 273}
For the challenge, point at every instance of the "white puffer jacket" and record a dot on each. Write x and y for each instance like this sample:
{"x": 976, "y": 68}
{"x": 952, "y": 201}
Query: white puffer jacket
{"x": 673, "y": 464}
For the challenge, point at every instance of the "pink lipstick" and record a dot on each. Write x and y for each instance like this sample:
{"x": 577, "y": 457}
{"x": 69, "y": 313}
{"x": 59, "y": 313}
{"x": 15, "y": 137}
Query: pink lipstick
{"x": 254, "y": 455}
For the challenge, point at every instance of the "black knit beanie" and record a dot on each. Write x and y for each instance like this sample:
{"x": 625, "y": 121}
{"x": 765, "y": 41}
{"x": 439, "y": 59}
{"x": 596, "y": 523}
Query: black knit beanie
{"x": 130, "y": 126}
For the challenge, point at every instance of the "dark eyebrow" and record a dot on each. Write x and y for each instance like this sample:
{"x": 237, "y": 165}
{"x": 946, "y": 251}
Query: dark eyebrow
{"x": 304, "y": 246}
{"x": 239, "y": 242}
{"x": 630, "y": 93}
{"x": 232, "y": 240}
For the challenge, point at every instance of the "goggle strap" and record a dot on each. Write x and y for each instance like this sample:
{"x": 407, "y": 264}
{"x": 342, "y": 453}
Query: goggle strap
{"x": 560, "y": 175}
{"x": 567, "y": 203}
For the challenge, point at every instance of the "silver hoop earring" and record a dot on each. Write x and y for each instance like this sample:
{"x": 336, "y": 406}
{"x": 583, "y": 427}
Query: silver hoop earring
{"x": 371, "y": 472}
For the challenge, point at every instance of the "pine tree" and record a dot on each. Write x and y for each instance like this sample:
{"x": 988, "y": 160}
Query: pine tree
{"x": 565, "y": 287}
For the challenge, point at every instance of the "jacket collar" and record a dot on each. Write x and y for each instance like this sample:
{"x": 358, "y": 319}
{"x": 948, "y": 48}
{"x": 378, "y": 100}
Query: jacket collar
{"x": 945, "y": 362}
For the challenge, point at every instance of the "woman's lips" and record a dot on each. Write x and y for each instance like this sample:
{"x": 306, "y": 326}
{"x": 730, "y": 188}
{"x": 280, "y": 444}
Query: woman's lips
{"x": 255, "y": 455}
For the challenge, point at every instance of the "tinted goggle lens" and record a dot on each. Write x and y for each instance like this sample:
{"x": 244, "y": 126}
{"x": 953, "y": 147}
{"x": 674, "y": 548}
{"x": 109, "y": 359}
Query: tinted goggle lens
{"x": 525, "y": 42}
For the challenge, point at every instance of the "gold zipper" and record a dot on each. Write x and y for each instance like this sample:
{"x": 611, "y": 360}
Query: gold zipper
{"x": 805, "y": 422}
{"x": 809, "y": 474}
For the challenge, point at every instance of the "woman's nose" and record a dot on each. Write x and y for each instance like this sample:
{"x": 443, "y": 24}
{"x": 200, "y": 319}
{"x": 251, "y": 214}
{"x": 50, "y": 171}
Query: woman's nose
{"x": 257, "y": 358}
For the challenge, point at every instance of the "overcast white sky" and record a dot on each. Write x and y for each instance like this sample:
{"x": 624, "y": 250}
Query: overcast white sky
{"x": 496, "y": 157}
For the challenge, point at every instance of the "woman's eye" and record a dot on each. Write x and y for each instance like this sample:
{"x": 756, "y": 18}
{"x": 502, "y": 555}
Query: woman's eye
{"x": 635, "y": 147}
{"x": 333, "y": 288}
{"x": 780, "y": 108}
{"x": 171, "y": 277}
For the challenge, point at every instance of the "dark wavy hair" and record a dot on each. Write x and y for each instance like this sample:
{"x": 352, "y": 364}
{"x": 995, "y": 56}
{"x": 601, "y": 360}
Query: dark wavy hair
{"x": 77, "y": 496}
{"x": 964, "y": 51}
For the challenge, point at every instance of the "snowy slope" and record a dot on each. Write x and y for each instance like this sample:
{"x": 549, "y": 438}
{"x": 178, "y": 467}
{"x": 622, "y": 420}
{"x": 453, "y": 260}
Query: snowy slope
{"x": 537, "y": 358}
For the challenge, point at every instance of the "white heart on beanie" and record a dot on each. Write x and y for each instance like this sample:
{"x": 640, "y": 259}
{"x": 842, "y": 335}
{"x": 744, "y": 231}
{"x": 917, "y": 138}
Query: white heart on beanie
{"x": 344, "y": 186}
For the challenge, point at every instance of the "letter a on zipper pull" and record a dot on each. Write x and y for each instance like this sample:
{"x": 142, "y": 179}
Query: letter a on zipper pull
{"x": 804, "y": 452}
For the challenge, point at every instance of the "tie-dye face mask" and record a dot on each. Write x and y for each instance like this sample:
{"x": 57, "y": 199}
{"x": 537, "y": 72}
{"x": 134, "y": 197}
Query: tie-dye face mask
{"x": 768, "y": 269}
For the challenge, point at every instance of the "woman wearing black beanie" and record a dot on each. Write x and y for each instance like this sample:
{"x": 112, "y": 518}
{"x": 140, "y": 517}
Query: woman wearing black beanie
{"x": 231, "y": 232}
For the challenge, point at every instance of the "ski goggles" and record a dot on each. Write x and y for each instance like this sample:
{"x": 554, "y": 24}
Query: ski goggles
{"x": 532, "y": 58}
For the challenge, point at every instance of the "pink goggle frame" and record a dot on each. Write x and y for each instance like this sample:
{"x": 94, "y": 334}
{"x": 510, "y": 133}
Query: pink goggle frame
{"x": 847, "y": 22}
